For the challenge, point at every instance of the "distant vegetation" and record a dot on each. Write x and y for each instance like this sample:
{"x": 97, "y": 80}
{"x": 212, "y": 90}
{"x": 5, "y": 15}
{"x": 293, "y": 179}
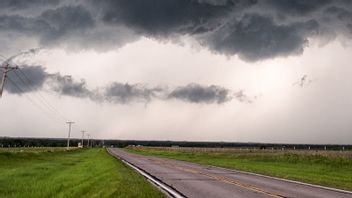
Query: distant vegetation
{"x": 328, "y": 168}
{"x": 61, "y": 142}
{"x": 55, "y": 172}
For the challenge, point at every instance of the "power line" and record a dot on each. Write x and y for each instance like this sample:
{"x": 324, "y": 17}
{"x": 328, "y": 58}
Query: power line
{"x": 41, "y": 102}
{"x": 29, "y": 98}
{"x": 29, "y": 88}
{"x": 3, "y": 57}
{"x": 39, "y": 96}
{"x": 42, "y": 97}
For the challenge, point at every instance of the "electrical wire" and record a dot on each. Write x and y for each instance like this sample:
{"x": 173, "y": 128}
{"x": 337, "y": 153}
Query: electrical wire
{"x": 41, "y": 96}
{"x": 47, "y": 108}
{"x": 28, "y": 83}
{"x": 29, "y": 98}
{"x": 29, "y": 88}
{"x": 4, "y": 57}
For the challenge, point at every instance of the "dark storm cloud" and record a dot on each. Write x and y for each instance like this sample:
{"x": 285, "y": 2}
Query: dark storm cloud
{"x": 254, "y": 30}
{"x": 65, "y": 20}
{"x": 34, "y": 78}
{"x": 340, "y": 13}
{"x": 66, "y": 85}
{"x": 255, "y": 37}
{"x": 22, "y": 24}
{"x": 196, "y": 93}
{"x": 19, "y": 83}
{"x": 25, "y": 4}
{"x": 164, "y": 17}
{"x": 52, "y": 26}
{"x": 296, "y": 7}
{"x": 125, "y": 93}
{"x": 121, "y": 93}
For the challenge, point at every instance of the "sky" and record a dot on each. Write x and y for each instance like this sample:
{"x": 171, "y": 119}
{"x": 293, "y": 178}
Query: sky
{"x": 194, "y": 70}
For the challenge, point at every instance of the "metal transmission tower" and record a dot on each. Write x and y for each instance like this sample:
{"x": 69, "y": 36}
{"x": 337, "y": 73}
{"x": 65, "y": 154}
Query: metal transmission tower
{"x": 69, "y": 133}
{"x": 83, "y": 138}
{"x": 6, "y": 69}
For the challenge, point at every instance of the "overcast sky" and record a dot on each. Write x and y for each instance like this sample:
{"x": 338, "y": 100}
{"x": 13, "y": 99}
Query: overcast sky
{"x": 197, "y": 70}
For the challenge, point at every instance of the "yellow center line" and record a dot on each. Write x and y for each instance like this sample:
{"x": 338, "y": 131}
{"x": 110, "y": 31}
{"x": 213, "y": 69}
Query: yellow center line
{"x": 222, "y": 179}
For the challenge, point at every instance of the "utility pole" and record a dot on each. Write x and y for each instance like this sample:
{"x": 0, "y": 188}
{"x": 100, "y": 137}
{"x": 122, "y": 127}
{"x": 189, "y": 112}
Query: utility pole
{"x": 69, "y": 133}
{"x": 6, "y": 69}
{"x": 88, "y": 141}
{"x": 83, "y": 138}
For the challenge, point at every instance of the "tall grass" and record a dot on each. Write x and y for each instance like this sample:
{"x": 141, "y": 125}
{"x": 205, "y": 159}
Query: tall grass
{"x": 75, "y": 173}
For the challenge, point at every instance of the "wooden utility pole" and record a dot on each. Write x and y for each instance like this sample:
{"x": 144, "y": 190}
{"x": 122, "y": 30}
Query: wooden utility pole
{"x": 5, "y": 69}
{"x": 83, "y": 138}
{"x": 69, "y": 133}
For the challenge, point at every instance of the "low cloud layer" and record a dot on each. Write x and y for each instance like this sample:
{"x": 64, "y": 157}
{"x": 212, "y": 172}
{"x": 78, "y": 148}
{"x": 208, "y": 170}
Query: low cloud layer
{"x": 196, "y": 93}
{"x": 18, "y": 83}
{"x": 253, "y": 30}
{"x": 116, "y": 92}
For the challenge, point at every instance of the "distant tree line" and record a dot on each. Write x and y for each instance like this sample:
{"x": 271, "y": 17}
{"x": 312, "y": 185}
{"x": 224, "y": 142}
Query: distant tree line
{"x": 124, "y": 143}
{"x": 61, "y": 142}
{"x": 43, "y": 142}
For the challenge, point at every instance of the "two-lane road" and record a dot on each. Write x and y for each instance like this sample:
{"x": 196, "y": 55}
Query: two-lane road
{"x": 193, "y": 180}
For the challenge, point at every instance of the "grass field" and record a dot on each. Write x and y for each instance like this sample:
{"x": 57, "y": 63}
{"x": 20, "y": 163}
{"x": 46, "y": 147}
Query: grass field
{"x": 328, "y": 168}
{"x": 55, "y": 172}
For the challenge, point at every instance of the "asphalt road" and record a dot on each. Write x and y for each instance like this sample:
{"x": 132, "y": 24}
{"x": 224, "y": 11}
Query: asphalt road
{"x": 193, "y": 180}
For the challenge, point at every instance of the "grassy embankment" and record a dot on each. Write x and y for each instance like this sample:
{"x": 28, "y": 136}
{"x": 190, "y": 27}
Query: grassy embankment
{"x": 76, "y": 173}
{"x": 326, "y": 168}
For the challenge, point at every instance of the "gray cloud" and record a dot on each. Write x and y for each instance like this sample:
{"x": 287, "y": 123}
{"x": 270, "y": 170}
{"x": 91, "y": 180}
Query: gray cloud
{"x": 35, "y": 74}
{"x": 303, "y": 81}
{"x": 160, "y": 17}
{"x": 253, "y": 30}
{"x": 242, "y": 97}
{"x": 66, "y": 85}
{"x": 22, "y": 24}
{"x": 256, "y": 37}
{"x": 340, "y": 13}
{"x": 297, "y": 7}
{"x": 116, "y": 92}
{"x": 125, "y": 93}
{"x": 66, "y": 20}
{"x": 196, "y": 93}
{"x": 27, "y": 4}
{"x": 52, "y": 26}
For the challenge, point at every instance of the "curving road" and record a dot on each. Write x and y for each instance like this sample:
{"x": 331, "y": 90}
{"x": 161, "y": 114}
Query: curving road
{"x": 194, "y": 180}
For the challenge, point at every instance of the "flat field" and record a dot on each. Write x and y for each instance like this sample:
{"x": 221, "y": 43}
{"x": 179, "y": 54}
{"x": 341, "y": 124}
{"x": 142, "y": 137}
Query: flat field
{"x": 327, "y": 168}
{"x": 55, "y": 172}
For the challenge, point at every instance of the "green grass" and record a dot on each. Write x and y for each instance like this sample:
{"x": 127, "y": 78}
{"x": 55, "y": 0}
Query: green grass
{"x": 328, "y": 170}
{"x": 76, "y": 173}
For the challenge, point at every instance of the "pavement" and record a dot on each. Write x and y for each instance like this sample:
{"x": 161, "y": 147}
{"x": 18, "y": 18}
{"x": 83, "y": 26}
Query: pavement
{"x": 200, "y": 181}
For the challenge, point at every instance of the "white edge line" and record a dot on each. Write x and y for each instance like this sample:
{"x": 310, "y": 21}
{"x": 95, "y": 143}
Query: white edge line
{"x": 286, "y": 180}
{"x": 146, "y": 175}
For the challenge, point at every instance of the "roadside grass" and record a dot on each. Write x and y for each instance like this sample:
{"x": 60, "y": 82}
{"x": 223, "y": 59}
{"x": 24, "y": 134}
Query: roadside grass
{"x": 76, "y": 173}
{"x": 333, "y": 170}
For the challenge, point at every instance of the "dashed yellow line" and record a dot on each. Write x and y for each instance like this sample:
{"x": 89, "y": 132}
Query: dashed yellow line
{"x": 222, "y": 179}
